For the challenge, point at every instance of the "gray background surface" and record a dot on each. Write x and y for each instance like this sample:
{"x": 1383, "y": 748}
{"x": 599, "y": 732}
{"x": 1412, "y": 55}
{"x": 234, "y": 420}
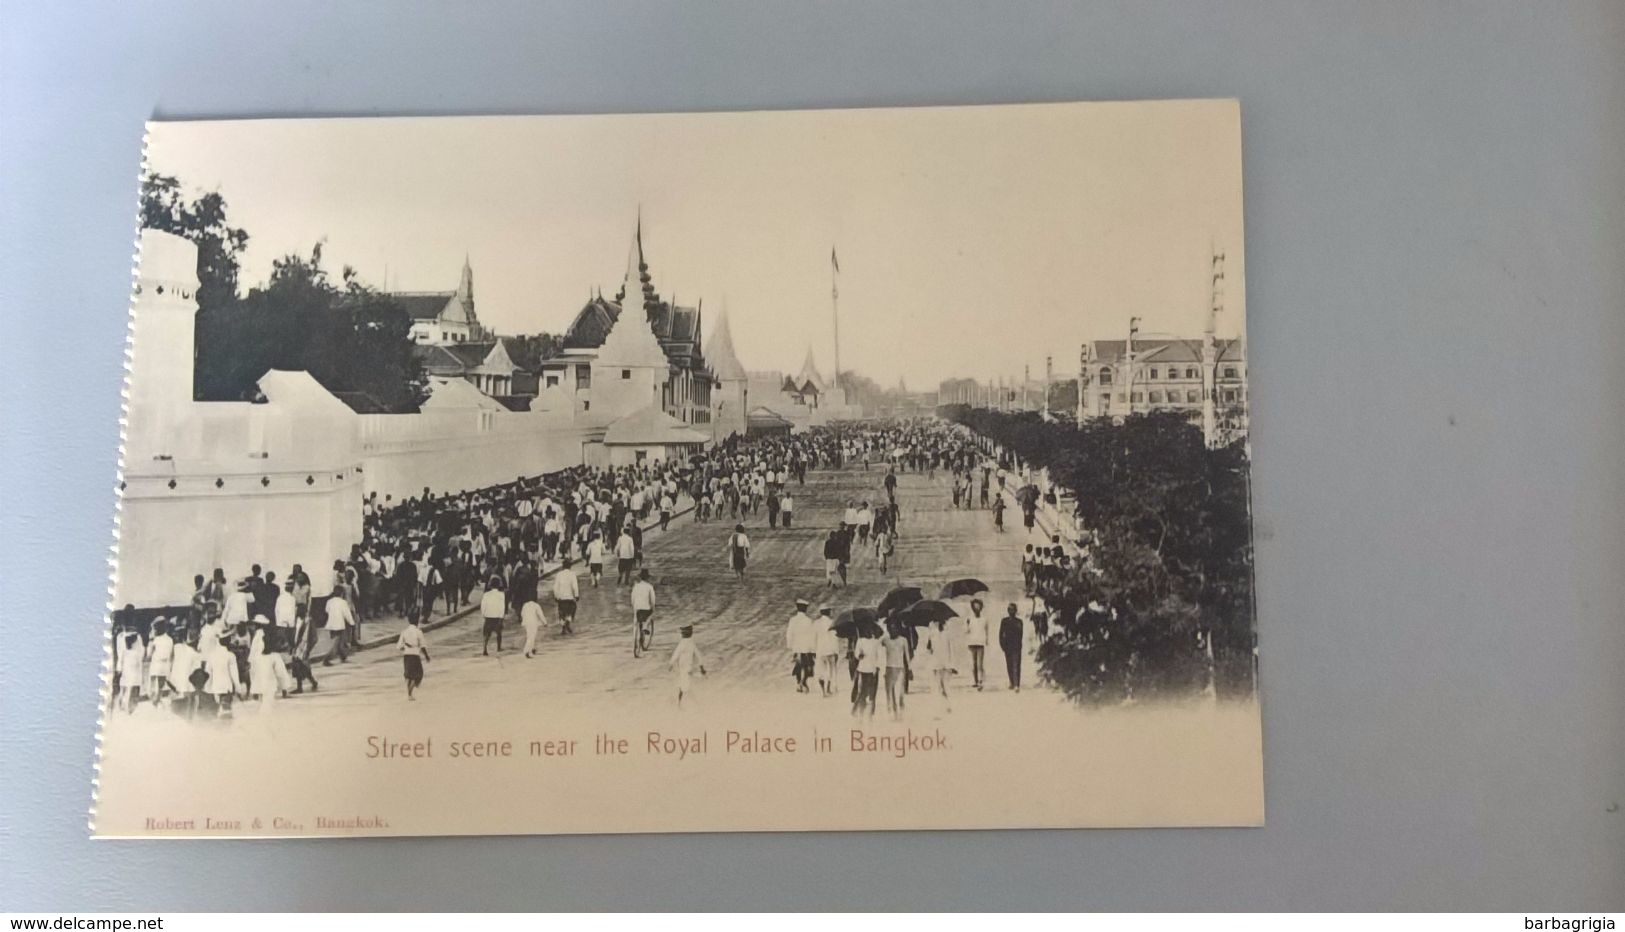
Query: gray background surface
{"x": 1436, "y": 215}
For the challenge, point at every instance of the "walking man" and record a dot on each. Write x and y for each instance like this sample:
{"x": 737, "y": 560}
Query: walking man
{"x": 339, "y": 622}
{"x": 976, "y": 640}
{"x": 832, "y": 559}
{"x": 566, "y": 593}
{"x": 684, "y": 661}
{"x": 595, "y": 559}
{"x": 626, "y": 556}
{"x": 802, "y": 640}
{"x": 532, "y": 619}
{"x": 1010, "y": 643}
{"x": 414, "y": 654}
{"x": 493, "y": 608}
{"x": 896, "y": 646}
{"x": 870, "y": 658}
{"x": 738, "y": 551}
{"x": 827, "y": 646}
{"x": 643, "y": 606}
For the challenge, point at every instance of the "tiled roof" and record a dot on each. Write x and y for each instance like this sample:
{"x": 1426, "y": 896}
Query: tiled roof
{"x": 438, "y": 359}
{"x": 422, "y": 305}
{"x": 1167, "y": 350}
{"x": 592, "y": 324}
{"x": 362, "y": 403}
{"x": 651, "y": 426}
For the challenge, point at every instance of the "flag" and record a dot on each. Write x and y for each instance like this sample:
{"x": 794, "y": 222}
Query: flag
{"x": 834, "y": 261}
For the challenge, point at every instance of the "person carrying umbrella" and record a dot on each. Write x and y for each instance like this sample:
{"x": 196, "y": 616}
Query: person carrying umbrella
{"x": 897, "y": 647}
{"x": 869, "y": 657}
{"x": 937, "y": 649}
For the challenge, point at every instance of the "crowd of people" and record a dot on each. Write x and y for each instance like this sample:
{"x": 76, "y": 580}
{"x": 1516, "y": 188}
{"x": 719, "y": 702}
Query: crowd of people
{"x": 260, "y": 636}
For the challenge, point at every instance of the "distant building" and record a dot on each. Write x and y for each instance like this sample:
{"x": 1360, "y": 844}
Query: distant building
{"x": 442, "y": 317}
{"x": 488, "y": 366}
{"x": 683, "y": 390}
{"x": 762, "y": 422}
{"x": 1205, "y": 378}
{"x": 650, "y": 435}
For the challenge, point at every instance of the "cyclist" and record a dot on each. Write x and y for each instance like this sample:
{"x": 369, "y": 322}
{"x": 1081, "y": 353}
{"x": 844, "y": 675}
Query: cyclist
{"x": 643, "y": 609}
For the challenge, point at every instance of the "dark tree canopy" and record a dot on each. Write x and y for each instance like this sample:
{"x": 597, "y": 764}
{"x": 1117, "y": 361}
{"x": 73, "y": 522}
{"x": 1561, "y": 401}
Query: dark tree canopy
{"x": 348, "y": 336}
{"x": 203, "y": 221}
{"x": 1169, "y": 567}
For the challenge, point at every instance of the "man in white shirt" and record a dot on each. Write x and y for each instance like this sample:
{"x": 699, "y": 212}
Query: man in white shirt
{"x": 626, "y": 556}
{"x": 595, "y": 559}
{"x": 566, "y": 593}
{"x": 340, "y": 619}
{"x": 287, "y": 618}
{"x": 493, "y": 608}
{"x": 643, "y": 602}
{"x": 236, "y": 610}
{"x": 532, "y": 619}
{"x": 976, "y": 640}
{"x": 802, "y": 640}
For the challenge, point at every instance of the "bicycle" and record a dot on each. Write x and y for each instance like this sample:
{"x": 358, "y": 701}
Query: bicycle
{"x": 643, "y": 632}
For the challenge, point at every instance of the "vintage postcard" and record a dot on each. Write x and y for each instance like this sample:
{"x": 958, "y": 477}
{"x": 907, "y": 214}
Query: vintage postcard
{"x": 822, "y": 470}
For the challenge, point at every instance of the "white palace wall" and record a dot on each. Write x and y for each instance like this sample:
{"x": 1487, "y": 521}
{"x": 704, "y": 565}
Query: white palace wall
{"x": 453, "y": 451}
{"x": 279, "y": 482}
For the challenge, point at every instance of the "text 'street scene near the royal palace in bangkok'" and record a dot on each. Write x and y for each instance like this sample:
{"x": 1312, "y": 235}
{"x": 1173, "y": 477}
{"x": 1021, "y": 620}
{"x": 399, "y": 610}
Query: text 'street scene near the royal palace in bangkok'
{"x": 815, "y": 470}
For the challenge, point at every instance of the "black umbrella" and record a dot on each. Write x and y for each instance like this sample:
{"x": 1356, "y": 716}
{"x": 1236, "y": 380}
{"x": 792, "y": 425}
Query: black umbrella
{"x": 898, "y": 599}
{"x": 924, "y": 613}
{"x": 960, "y": 588}
{"x": 849, "y": 622}
{"x": 1027, "y": 495}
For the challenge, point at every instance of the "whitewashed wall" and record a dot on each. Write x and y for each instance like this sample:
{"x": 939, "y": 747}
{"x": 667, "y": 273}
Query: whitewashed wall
{"x": 450, "y": 451}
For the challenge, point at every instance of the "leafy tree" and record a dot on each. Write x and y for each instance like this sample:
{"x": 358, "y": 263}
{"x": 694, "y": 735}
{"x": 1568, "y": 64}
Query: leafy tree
{"x": 203, "y": 221}
{"x": 348, "y": 336}
{"x": 529, "y": 350}
{"x": 1163, "y": 606}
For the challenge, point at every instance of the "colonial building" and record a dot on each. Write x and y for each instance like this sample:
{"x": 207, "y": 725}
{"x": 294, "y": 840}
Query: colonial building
{"x": 1205, "y": 378}
{"x": 683, "y": 390}
{"x": 1134, "y": 375}
{"x": 441, "y": 317}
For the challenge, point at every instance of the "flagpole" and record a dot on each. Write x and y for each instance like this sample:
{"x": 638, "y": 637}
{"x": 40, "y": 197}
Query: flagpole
{"x": 835, "y": 311}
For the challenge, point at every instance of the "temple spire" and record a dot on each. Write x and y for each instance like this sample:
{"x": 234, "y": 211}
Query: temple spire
{"x": 720, "y": 352}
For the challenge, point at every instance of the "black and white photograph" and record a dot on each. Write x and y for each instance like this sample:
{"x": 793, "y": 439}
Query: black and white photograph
{"x": 578, "y": 474}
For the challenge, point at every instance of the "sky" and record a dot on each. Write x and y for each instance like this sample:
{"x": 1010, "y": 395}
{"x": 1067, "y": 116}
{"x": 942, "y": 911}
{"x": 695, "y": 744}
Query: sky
{"x": 972, "y": 241}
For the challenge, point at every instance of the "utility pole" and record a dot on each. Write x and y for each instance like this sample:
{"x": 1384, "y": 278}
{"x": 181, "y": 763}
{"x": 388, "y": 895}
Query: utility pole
{"x": 1049, "y": 376}
{"x": 1128, "y": 361}
{"x": 1083, "y": 378}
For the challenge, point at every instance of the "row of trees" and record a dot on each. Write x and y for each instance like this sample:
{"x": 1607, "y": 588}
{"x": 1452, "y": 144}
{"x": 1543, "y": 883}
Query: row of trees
{"x": 1164, "y": 605}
